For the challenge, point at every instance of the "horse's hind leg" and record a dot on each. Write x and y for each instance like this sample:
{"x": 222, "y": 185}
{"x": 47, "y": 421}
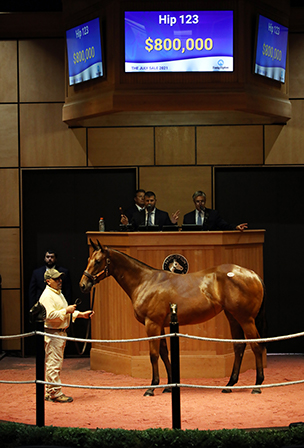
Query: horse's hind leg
{"x": 239, "y": 348}
{"x": 258, "y": 350}
{"x": 163, "y": 351}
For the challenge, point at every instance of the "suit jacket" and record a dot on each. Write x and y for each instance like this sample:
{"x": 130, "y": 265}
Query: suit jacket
{"x": 161, "y": 219}
{"x": 37, "y": 285}
{"x": 130, "y": 212}
{"x": 212, "y": 220}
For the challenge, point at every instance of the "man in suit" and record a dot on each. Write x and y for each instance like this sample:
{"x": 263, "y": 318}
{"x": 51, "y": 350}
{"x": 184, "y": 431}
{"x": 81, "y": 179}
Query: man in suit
{"x": 151, "y": 215}
{"x": 37, "y": 283}
{"x": 138, "y": 206}
{"x": 209, "y": 219}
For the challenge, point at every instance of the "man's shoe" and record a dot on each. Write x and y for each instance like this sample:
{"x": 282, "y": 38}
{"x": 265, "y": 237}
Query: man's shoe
{"x": 61, "y": 399}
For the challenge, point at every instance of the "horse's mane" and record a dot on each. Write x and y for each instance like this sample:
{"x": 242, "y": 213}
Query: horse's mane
{"x": 132, "y": 258}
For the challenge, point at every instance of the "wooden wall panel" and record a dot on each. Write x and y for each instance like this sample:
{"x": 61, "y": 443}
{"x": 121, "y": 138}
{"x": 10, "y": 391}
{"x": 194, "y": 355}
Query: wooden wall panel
{"x": 9, "y": 198}
{"x": 296, "y": 65}
{"x": 41, "y": 70}
{"x": 175, "y": 145}
{"x": 9, "y": 135}
{"x": 10, "y": 314}
{"x": 174, "y": 186}
{"x": 285, "y": 144}
{"x": 230, "y": 144}
{"x": 121, "y": 146}
{"x": 10, "y": 258}
{"x": 46, "y": 141}
{"x": 8, "y": 71}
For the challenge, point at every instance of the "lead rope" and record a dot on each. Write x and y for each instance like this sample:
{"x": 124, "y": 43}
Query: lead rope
{"x": 81, "y": 352}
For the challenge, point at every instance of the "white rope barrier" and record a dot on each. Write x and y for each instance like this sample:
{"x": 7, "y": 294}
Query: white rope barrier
{"x": 200, "y": 338}
{"x": 278, "y": 338}
{"x": 15, "y": 336}
{"x": 159, "y": 386}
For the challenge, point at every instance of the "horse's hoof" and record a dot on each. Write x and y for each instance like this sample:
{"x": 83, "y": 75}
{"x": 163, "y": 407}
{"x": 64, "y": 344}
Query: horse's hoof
{"x": 149, "y": 393}
{"x": 226, "y": 391}
{"x": 256, "y": 391}
{"x": 167, "y": 390}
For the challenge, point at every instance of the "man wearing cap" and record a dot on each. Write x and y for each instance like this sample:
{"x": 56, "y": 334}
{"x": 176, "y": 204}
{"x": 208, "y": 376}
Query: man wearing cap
{"x": 58, "y": 316}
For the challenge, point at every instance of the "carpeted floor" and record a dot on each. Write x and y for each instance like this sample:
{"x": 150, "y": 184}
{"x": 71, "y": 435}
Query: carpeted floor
{"x": 129, "y": 409}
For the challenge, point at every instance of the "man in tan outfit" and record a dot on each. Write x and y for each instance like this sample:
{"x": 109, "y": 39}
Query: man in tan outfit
{"x": 58, "y": 316}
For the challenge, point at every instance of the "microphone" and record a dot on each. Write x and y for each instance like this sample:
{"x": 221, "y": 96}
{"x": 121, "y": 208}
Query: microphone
{"x": 77, "y": 302}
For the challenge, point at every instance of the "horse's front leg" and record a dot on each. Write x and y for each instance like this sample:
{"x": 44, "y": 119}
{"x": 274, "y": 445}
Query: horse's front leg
{"x": 163, "y": 350}
{"x": 153, "y": 330}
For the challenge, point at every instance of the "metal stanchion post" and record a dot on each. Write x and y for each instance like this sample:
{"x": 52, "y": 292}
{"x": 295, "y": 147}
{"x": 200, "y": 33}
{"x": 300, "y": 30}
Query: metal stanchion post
{"x": 40, "y": 411}
{"x": 174, "y": 342}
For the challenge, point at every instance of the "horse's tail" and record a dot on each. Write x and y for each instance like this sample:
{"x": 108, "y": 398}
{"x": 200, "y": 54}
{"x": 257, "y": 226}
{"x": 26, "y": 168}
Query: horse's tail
{"x": 260, "y": 320}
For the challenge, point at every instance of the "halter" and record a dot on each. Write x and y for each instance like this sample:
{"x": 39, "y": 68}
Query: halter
{"x": 97, "y": 278}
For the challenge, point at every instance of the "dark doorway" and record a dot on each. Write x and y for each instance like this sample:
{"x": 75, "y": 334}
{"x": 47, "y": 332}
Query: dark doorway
{"x": 59, "y": 207}
{"x": 271, "y": 199}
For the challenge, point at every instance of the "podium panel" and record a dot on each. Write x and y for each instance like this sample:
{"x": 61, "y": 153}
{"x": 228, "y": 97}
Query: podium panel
{"x": 114, "y": 316}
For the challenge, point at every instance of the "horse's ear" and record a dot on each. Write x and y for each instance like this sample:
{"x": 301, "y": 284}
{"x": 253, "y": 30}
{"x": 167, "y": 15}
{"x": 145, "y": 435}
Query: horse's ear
{"x": 100, "y": 247}
{"x": 94, "y": 245}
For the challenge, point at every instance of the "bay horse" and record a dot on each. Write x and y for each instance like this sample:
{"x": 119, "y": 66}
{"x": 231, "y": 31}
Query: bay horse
{"x": 199, "y": 296}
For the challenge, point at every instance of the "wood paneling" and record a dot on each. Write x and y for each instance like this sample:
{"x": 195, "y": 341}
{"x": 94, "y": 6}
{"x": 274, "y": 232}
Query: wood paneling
{"x": 296, "y": 65}
{"x": 174, "y": 186}
{"x": 8, "y": 71}
{"x": 9, "y": 135}
{"x": 46, "y": 141}
{"x": 121, "y": 146}
{"x": 10, "y": 315}
{"x": 285, "y": 144}
{"x": 10, "y": 258}
{"x": 114, "y": 317}
{"x": 175, "y": 145}
{"x": 41, "y": 70}
{"x": 9, "y": 198}
{"x": 230, "y": 145}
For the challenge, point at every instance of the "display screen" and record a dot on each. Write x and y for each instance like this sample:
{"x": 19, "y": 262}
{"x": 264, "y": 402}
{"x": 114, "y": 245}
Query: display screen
{"x": 84, "y": 52}
{"x": 178, "y": 41}
{"x": 271, "y": 49}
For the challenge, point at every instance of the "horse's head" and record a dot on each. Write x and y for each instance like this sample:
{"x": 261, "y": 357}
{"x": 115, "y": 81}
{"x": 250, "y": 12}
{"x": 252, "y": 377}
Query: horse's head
{"x": 97, "y": 268}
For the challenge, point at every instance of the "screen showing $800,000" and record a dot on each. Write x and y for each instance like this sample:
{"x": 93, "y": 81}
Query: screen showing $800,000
{"x": 178, "y": 41}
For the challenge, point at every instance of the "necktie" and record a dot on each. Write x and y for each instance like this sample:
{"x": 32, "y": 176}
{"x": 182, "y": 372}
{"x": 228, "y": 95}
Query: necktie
{"x": 199, "y": 219}
{"x": 149, "y": 219}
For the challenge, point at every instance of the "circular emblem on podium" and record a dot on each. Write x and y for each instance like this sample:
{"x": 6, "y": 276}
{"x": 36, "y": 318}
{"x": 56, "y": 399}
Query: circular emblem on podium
{"x": 176, "y": 263}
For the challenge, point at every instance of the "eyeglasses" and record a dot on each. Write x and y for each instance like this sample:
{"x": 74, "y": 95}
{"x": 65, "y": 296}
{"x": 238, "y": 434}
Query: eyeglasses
{"x": 57, "y": 279}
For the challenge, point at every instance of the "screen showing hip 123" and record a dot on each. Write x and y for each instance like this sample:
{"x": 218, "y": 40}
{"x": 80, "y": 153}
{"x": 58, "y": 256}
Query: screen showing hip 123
{"x": 84, "y": 52}
{"x": 271, "y": 49}
{"x": 178, "y": 41}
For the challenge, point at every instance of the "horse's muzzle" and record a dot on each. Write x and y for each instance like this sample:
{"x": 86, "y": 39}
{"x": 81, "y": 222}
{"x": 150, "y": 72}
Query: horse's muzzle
{"x": 85, "y": 284}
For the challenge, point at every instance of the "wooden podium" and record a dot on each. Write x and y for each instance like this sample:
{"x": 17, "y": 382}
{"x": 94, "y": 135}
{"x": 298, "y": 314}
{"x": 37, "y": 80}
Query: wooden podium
{"x": 114, "y": 318}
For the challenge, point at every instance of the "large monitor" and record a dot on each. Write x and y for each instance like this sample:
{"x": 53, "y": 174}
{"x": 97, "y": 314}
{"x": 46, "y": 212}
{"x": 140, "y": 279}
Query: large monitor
{"x": 271, "y": 49}
{"x": 84, "y": 52}
{"x": 178, "y": 41}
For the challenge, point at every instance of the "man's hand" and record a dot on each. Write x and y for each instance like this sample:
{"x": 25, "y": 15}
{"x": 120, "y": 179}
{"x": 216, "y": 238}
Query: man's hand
{"x": 86, "y": 314}
{"x": 175, "y": 216}
{"x": 242, "y": 227}
{"x": 124, "y": 220}
{"x": 70, "y": 309}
